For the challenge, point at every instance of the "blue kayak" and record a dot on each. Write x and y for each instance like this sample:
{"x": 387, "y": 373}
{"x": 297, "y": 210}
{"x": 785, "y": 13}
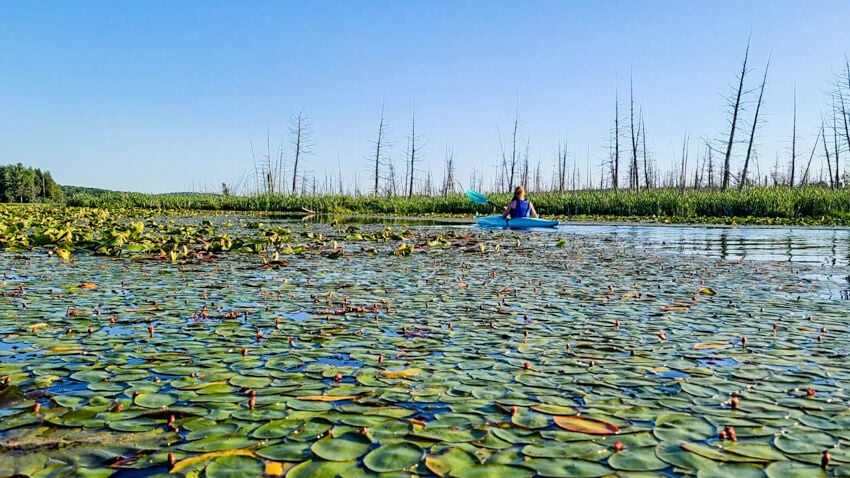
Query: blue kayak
{"x": 518, "y": 222}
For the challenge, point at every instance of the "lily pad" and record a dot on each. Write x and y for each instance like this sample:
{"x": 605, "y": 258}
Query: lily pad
{"x": 393, "y": 457}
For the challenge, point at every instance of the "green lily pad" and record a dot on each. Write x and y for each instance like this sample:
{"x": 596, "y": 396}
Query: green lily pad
{"x": 154, "y": 400}
{"x": 636, "y": 459}
{"x": 495, "y": 471}
{"x": 345, "y": 447}
{"x": 234, "y": 467}
{"x": 793, "y": 469}
{"x": 567, "y": 468}
{"x": 450, "y": 461}
{"x": 393, "y": 457}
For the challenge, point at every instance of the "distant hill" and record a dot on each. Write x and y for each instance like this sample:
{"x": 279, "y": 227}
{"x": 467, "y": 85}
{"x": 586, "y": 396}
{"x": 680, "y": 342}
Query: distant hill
{"x": 71, "y": 190}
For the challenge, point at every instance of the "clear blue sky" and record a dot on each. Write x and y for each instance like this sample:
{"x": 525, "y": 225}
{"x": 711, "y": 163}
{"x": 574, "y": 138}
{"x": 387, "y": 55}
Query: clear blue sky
{"x": 162, "y": 96}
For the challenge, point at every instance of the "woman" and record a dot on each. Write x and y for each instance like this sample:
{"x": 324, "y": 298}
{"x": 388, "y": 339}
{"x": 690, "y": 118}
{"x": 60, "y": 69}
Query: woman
{"x": 519, "y": 205}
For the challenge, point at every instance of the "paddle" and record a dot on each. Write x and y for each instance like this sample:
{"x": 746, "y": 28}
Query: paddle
{"x": 479, "y": 198}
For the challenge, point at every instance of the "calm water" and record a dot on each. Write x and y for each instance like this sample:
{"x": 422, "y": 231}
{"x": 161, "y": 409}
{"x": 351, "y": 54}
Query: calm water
{"x": 805, "y": 245}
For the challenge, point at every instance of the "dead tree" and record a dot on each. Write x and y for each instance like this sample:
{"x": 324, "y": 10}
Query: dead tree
{"x": 411, "y": 163}
{"x": 379, "y": 143}
{"x": 647, "y": 174}
{"x": 449, "y": 177}
{"x": 826, "y": 152}
{"x": 736, "y": 108}
{"x": 634, "y": 181}
{"x": 299, "y": 129}
{"x": 615, "y": 169}
{"x": 794, "y": 141}
{"x": 805, "y": 178}
{"x": 514, "y": 153}
{"x": 753, "y": 130}
{"x": 562, "y": 166}
{"x": 684, "y": 163}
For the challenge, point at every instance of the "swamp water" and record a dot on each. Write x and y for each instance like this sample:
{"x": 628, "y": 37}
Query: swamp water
{"x": 631, "y": 350}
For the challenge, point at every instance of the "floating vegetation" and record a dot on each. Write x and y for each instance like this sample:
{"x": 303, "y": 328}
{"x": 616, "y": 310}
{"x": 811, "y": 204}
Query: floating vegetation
{"x": 222, "y": 346}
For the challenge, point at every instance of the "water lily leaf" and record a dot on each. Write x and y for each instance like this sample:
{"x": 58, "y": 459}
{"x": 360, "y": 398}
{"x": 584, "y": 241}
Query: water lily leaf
{"x": 551, "y": 409}
{"x": 234, "y": 466}
{"x": 346, "y": 447}
{"x": 277, "y": 428}
{"x": 567, "y": 468}
{"x": 591, "y": 426}
{"x": 738, "y": 470}
{"x": 677, "y": 456}
{"x": 636, "y": 459}
{"x": 327, "y": 398}
{"x": 192, "y": 461}
{"x": 793, "y": 469}
{"x": 320, "y": 469}
{"x": 406, "y": 373}
{"x": 678, "y": 427}
{"x": 393, "y": 457}
{"x": 450, "y": 434}
{"x": 450, "y": 461}
{"x": 804, "y": 442}
{"x": 495, "y": 471}
{"x": 213, "y": 443}
{"x": 761, "y": 451}
{"x": 529, "y": 419}
{"x": 292, "y": 452}
{"x": 154, "y": 400}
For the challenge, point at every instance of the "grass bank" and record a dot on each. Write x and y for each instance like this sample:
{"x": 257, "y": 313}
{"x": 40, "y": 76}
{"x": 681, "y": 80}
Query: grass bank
{"x": 759, "y": 205}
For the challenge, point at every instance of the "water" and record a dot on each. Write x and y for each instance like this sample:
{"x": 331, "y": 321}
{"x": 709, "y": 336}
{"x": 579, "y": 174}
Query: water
{"x": 793, "y": 244}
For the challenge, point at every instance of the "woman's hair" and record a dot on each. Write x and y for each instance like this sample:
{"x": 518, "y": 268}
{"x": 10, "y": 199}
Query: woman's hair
{"x": 519, "y": 192}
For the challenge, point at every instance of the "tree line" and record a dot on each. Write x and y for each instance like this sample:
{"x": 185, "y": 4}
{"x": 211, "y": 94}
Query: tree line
{"x": 21, "y": 184}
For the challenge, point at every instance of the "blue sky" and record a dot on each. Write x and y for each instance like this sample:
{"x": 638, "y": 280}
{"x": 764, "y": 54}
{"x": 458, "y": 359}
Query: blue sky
{"x": 162, "y": 96}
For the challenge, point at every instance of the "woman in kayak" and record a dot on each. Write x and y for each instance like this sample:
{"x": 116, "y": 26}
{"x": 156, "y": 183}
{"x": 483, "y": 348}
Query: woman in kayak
{"x": 519, "y": 205}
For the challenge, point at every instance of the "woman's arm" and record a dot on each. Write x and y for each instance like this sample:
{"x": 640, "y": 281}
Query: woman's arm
{"x": 510, "y": 207}
{"x": 533, "y": 211}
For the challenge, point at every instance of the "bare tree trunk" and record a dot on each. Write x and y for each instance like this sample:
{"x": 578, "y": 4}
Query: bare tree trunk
{"x": 794, "y": 140}
{"x": 525, "y": 164}
{"x": 835, "y": 138}
{"x": 646, "y": 170}
{"x": 634, "y": 180}
{"x": 299, "y": 129}
{"x": 378, "y": 144}
{"x": 449, "y": 179}
{"x": 684, "y": 163}
{"x": 513, "y": 148}
{"x": 503, "y": 171}
{"x": 753, "y": 131}
{"x": 826, "y": 152}
{"x": 811, "y": 156}
{"x": 413, "y": 151}
{"x": 736, "y": 108}
{"x": 615, "y": 173}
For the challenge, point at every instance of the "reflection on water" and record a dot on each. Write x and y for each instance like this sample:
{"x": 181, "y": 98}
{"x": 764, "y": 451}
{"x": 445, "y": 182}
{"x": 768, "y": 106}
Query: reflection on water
{"x": 804, "y": 245}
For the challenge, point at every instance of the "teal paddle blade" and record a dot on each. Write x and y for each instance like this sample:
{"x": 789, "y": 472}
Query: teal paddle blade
{"x": 476, "y": 197}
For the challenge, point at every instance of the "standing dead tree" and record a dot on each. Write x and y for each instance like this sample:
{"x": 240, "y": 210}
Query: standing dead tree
{"x": 634, "y": 180}
{"x": 379, "y": 143}
{"x": 683, "y": 171}
{"x": 562, "y": 166}
{"x": 412, "y": 150}
{"x": 449, "y": 177}
{"x": 794, "y": 141}
{"x": 615, "y": 158}
{"x": 736, "y": 109}
{"x": 302, "y": 144}
{"x": 805, "y": 178}
{"x": 514, "y": 153}
{"x": 753, "y": 130}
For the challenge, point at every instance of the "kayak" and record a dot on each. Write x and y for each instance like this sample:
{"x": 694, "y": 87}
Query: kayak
{"x": 517, "y": 222}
